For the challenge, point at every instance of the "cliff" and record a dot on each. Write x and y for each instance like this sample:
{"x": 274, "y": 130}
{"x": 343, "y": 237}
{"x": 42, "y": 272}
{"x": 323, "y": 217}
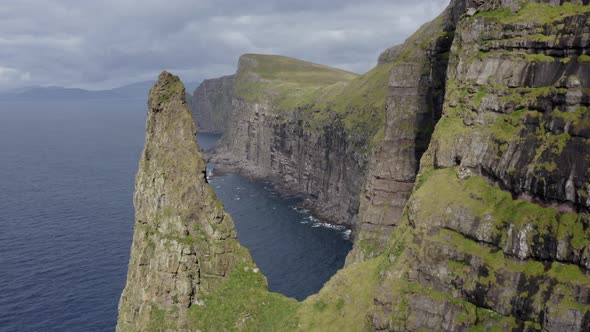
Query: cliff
{"x": 472, "y": 141}
{"x": 211, "y": 104}
{"x": 309, "y": 127}
{"x": 184, "y": 245}
{"x": 414, "y": 105}
{"x": 495, "y": 232}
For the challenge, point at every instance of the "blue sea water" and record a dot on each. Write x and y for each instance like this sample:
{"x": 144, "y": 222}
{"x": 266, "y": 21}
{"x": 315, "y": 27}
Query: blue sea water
{"x": 66, "y": 216}
{"x": 295, "y": 251}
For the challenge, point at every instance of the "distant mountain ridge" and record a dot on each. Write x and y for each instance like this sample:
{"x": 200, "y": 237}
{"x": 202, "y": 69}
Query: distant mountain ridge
{"x": 133, "y": 90}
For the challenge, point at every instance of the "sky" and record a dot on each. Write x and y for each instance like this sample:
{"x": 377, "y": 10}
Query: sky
{"x": 109, "y": 43}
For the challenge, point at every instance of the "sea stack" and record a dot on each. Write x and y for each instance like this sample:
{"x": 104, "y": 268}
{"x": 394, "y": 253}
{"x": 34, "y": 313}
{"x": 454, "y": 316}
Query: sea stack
{"x": 184, "y": 244}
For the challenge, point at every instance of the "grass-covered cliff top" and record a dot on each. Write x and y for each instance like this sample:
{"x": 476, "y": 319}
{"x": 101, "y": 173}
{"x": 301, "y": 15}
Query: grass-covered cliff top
{"x": 320, "y": 93}
{"x": 284, "y": 81}
{"x": 541, "y": 13}
{"x": 282, "y": 68}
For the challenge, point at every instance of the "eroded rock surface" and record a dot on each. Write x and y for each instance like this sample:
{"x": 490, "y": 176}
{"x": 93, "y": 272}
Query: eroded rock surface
{"x": 495, "y": 233}
{"x": 489, "y": 231}
{"x": 184, "y": 244}
{"x": 414, "y": 105}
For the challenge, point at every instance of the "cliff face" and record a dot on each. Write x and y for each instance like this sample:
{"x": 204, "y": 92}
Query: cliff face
{"x": 310, "y": 127}
{"x": 414, "y": 105}
{"x": 490, "y": 230}
{"x": 495, "y": 232}
{"x": 211, "y": 104}
{"x": 184, "y": 244}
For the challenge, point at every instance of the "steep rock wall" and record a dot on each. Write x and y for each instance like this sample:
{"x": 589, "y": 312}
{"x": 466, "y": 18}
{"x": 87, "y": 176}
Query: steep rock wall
{"x": 495, "y": 234}
{"x": 184, "y": 244}
{"x": 310, "y": 146}
{"x": 414, "y": 105}
{"x": 211, "y": 104}
{"x": 321, "y": 164}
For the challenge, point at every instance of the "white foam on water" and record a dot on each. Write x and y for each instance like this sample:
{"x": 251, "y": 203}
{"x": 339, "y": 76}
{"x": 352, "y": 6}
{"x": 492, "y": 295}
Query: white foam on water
{"x": 330, "y": 226}
{"x": 346, "y": 234}
{"x": 299, "y": 210}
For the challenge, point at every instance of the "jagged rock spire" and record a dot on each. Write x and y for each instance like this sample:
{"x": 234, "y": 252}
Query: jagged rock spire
{"x": 183, "y": 243}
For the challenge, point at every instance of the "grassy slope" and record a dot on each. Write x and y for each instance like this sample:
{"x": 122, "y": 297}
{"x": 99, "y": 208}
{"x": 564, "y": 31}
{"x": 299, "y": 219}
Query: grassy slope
{"x": 542, "y": 13}
{"x": 244, "y": 303}
{"x": 319, "y": 93}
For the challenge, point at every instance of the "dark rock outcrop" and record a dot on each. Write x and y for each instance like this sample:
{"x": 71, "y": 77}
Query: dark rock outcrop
{"x": 211, "y": 104}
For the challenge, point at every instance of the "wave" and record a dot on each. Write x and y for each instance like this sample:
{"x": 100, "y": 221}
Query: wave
{"x": 330, "y": 226}
{"x": 299, "y": 210}
{"x": 346, "y": 234}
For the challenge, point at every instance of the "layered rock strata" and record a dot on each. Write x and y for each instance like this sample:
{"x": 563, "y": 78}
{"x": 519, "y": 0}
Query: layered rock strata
{"x": 286, "y": 127}
{"x": 414, "y": 105}
{"x": 495, "y": 234}
{"x": 490, "y": 231}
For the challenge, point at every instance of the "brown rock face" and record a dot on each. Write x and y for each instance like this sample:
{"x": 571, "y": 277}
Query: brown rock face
{"x": 500, "y": 63}
{"x": 183, "y": 243}
{"x": 528, "y": 84}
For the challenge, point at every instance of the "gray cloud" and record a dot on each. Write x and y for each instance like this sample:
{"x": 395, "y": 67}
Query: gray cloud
{"x": 100, "y": 44}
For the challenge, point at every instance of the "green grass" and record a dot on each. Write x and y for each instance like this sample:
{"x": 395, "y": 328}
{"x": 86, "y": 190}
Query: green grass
{"x": 283, "y": 79}
{"x": 568, "y": 273}
{"x": 360, "y": 103}
{"x": 319, "y": 94}
{"x": 539, "y": 58}
{"x": 172, "y": 88}
{"x": 572, "y": 117}
{"x": 242, "y": 302}
{"x": 584, "y": 58}
{"x": 540, "y": 13}
{"x": 282, "y": 68}
{"x": 442, "y": 190}
{"x": 344, "y": 302}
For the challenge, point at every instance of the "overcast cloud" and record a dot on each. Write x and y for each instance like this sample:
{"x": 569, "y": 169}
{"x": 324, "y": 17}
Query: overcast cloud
{"x": 102, "y": 44}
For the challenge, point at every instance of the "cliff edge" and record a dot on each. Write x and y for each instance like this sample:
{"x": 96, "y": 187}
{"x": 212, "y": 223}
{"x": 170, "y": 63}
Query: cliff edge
{"x": 474, "y": 214}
